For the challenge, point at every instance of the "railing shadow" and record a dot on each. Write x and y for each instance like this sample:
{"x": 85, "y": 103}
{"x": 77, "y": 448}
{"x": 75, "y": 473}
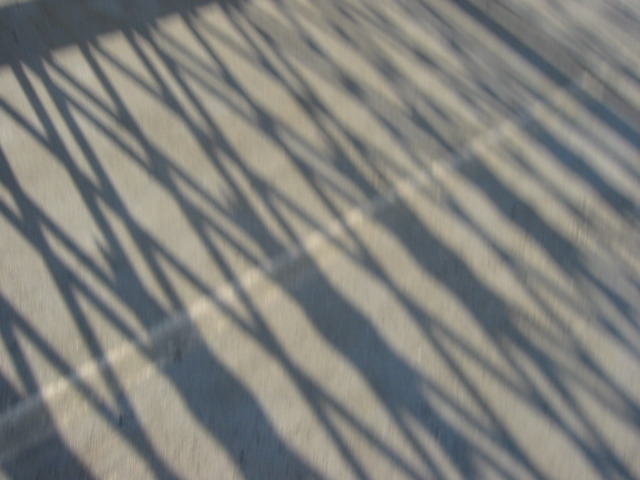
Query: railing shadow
{"x": 156, "y": 153}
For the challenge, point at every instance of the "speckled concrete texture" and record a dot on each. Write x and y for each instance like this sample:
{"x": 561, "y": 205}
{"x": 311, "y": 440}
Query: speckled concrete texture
{"x": 299, "y": 240}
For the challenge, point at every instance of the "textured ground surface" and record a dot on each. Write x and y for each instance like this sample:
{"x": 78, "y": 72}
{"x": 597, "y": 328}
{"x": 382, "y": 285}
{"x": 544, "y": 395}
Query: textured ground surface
{"x": 319, "y": 239}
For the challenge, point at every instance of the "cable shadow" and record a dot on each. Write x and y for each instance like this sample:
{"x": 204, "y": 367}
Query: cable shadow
{"x": 242, "y": 426}
{"x": 543, "y": 61}
{"x": 56, "y": 459}
{"x": 494, "y": 317}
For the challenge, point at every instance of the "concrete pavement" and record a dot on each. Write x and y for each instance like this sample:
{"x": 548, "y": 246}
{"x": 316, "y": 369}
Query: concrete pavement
{"x": 319, "y": 239}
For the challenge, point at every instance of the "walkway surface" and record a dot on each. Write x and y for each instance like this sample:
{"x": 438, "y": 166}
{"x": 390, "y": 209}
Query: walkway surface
{"x": 336, "y": 239}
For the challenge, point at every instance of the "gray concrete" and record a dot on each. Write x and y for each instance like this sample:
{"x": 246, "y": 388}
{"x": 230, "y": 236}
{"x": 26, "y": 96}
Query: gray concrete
{"x": 298, "y": 239}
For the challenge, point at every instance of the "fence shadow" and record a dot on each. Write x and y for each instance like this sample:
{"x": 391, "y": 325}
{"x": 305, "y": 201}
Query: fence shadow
{"x": 154, "y": 153}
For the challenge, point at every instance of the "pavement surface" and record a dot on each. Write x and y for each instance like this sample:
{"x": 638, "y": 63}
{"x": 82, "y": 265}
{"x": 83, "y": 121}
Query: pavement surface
{"x": 302, "y": 239}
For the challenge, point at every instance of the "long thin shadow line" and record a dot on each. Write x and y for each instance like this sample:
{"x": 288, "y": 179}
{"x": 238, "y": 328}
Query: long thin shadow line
{"x": 409, "y": 135}
{"x": 66, "y": 289}
{"x": 271, "y": 247}
{"x": 457, "y": 83}
{"x": 433, "y": 389}
{"x": 372, "y": 100}
{"x": 353, "y": 462}
{"x": 143, "y": 445}
{"x": 394, "y": 32}
{"x": 85, "y": 183}
{"x": 523, "y": 50}
{"x": 264, "y": 121}
{"x": 369, "y": 262}
{"x": 567, "y": 157}
{"x": 546, "y": 365}
{"x": 30, "y": 223}
{"x": 87, "y": 261}
{"x": 23, "y": 122}
{"x": 208, "y": 243}
{"x": 158, "y": 166}
{"x": 92, "y": 266}
{"x": 260, "y": 114}
{"x": 510, "y": 335}
{"x": 599, "y": 145}
{"x": 287, "y": 132}
{"x": 191, "y": 213}
{"x": 414, "y": 97}
{"x": 86, "y": 188}
{"x": 317, "y": 112}
{"x": 11, "y": 320}
{"x": 207, "y": 85}
{"x": 558, "y": 193}
{"x": 549, "y": 341}
{"x": 174, "y": 167}
{"x": 538, "y": 60}
{"x": 393, "y": 411}
{"x": 88, "y": 393}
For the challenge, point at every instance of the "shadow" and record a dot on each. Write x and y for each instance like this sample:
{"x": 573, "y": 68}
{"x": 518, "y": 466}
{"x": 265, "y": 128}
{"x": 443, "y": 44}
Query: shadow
{"x": 38, "y": 27}
{"x": 58, "y": 459}
{"x": 231, "y": 414}
{"x": 157, "y": 154}
{"x": 544, "y": 59}
{"x": 495, "y": 318}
